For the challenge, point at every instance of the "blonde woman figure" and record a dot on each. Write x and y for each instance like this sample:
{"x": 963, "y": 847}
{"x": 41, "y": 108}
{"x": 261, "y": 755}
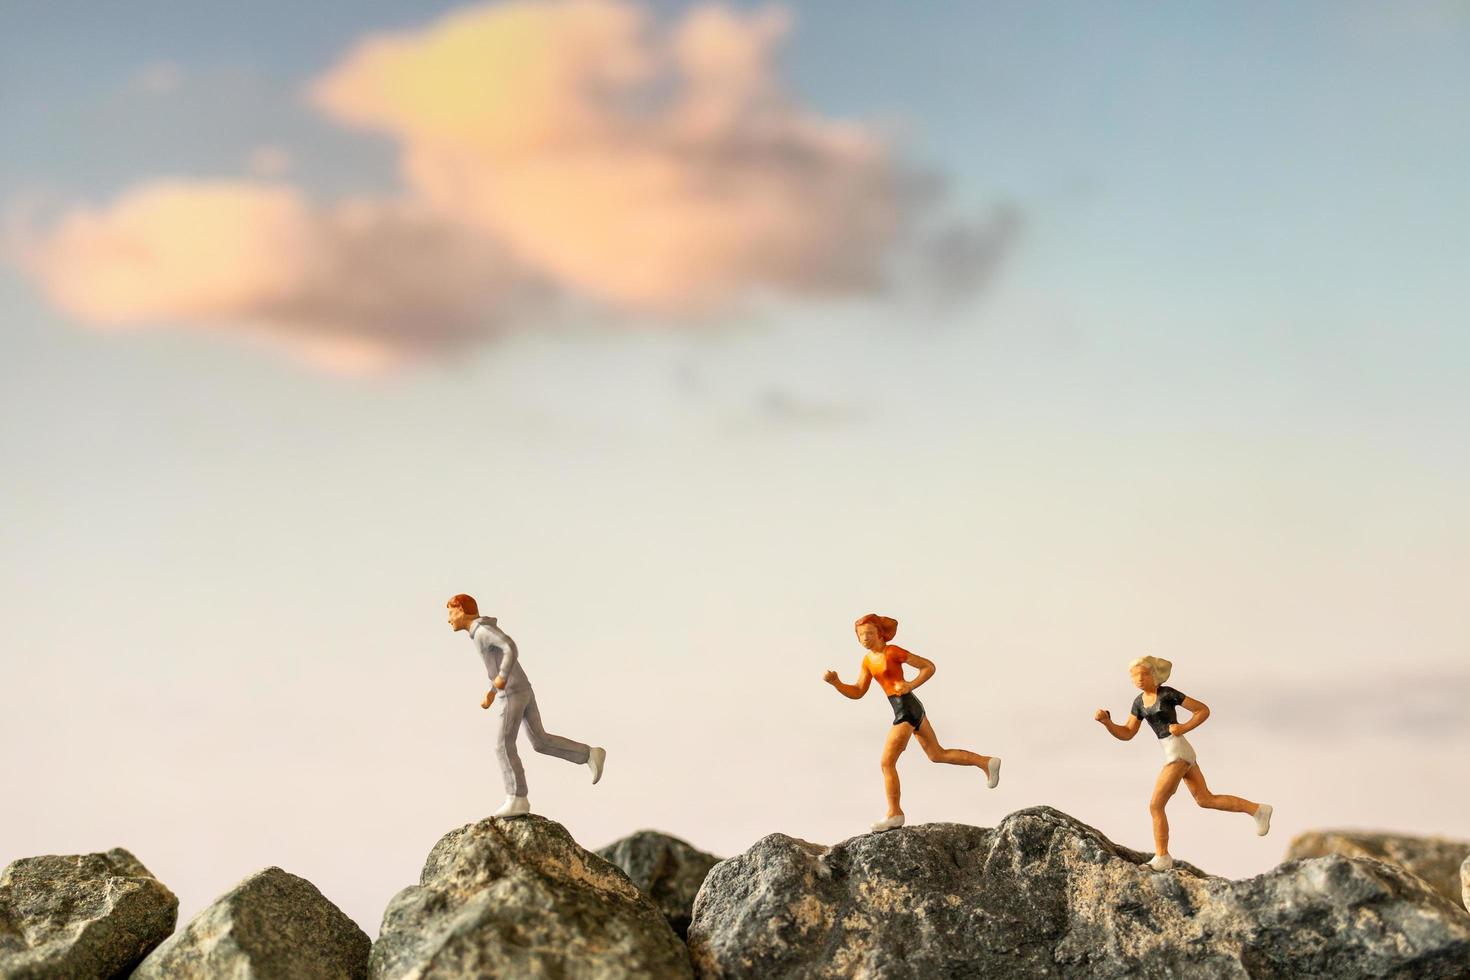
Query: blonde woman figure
{"x": 1157, "y": 705}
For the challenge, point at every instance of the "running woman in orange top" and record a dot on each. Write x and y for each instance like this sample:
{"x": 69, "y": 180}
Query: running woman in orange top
{"x": 884, "y": 663}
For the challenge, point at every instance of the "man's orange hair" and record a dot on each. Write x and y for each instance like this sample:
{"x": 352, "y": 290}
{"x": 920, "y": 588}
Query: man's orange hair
{"x": 887, "y": 628}
{"x": 465, "y": 602}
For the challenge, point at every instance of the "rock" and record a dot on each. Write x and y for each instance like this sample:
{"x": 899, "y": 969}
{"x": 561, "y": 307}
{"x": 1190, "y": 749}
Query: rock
{"x": 1434, "y": 859}
{"x": 271, "y": 925}
{"x": 666, "y": 869}
{"x": 1465, "y": 883}
{"x": 517, "y": 897}
{"x": 80, "y": 916}
{"x": 1044, "y": 895}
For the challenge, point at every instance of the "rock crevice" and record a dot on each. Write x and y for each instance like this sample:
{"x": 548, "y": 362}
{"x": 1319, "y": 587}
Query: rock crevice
{"x": 666, "y": 869}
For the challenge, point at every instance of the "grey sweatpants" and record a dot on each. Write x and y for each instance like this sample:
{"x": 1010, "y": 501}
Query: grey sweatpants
{"x": 520, "y": 709}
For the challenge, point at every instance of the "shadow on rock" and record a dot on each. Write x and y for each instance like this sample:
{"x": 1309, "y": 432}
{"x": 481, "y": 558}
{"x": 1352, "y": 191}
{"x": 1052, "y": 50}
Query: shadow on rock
{"x": 666, "y": 869}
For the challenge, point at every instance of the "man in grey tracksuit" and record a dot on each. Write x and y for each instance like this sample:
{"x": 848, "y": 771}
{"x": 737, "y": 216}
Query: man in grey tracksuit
{"x": 508, "y": 679}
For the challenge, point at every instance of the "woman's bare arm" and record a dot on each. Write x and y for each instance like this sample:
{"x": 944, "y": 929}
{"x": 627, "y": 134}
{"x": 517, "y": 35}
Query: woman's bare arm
{"x": 1198, "y": 712}
{"x": 926, "y": 671}
{"x": 1121, "y": 732}
{"x": 853, "y": 691}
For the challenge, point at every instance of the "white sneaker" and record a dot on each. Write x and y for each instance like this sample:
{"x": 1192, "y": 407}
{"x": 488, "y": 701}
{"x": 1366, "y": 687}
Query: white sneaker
{"x": 595, "y": 759}
{"x": 992, "y": 769}
{"x": 513, "y": 806}
{"x": 1263, "y": 819}
{"x": 1161, "y": 862}
{"x": 888, "y": 823}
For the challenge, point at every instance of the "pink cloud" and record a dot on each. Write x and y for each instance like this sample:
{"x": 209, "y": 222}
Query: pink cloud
{"x": 352, "y": 287}
{"x": 655, "y": 170}
{"x": 577, "y": 148}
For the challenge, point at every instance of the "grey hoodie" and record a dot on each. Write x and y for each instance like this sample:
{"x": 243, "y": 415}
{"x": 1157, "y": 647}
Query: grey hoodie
{"x": 500, "y": 655}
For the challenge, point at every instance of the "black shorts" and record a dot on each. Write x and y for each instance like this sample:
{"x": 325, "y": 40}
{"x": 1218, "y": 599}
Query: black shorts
{"x": 907, "y": 708}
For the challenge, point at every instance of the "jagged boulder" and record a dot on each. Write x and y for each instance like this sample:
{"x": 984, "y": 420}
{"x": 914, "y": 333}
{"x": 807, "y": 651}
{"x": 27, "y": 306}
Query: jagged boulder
{"x": 1044, "y": 895}
{"x": 271, "y": 926}
{"x": 666, "y": 869}
{"x": 1434, "y": 859}
{"x": 80, "y": 916}
{"x": 517, "y": 897}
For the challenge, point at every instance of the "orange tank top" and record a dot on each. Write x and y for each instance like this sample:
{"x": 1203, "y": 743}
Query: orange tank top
{"x": 887, "y": 666}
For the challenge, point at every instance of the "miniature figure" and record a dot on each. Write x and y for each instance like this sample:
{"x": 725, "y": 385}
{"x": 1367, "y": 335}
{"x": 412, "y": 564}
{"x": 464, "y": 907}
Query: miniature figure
{"x": 502, "y": 663}
{"x": 1157, "y": 705}
{"x": 884, "y": 662}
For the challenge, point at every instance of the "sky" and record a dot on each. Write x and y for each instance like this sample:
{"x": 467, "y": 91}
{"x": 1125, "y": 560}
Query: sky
{"x": 682, "y": 336}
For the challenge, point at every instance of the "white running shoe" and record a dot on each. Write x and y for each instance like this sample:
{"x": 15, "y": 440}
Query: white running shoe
{"x": 513, "y": 806}
{"x": 1161, "y": 862}
{"x": 992, "y": 769}
{"x": 888, "y": 823}
{"x": 1263, "y": 819}
{"x": 595, "y": 759}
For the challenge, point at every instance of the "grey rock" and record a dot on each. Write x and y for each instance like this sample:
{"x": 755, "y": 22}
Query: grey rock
{"x": 666, "y": 869}
{"x": 517, "y": 897}
{"x": 80, "y": 916}
{"x": 1434, "y": 859}
{"x": 1044, "y": 895}
{"x": 271, "y": 926}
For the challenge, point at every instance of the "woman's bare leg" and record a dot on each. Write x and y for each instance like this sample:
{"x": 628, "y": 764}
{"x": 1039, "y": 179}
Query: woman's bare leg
{"x": 898, "y": 740}
{"x": 1195, "y": 780}
{"x": 1163, "y": 790}
{"x": 938, "y": 753}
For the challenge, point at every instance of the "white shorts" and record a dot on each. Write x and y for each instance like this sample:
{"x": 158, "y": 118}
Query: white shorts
{"x": 1176, "y": 749}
